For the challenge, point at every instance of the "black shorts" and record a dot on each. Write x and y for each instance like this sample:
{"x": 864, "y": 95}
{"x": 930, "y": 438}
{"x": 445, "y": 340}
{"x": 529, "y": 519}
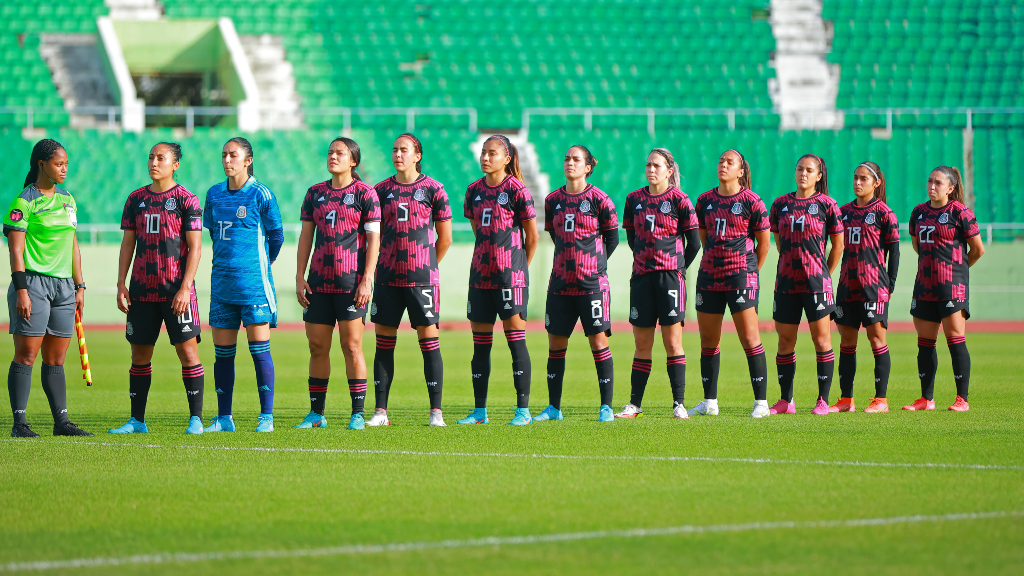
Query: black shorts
{"x": 144, "y": 319}
{"x": 592, "y": 310}
{"x": 657, "y": 298}
{"x": 788, "y": 308}
{"x": 486, "y": 304}
{"x": 391, "y": 302}
{"x": 714, "y": 301}
{"x": 329, "y": 309}
{"x": 936, "y": 310}
{"x": 857, "y": 313}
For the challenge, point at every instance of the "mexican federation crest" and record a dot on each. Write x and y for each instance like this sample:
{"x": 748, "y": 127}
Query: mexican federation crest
{"x": 585, "y": 206}
{"x": 170, "y": 204}
{"x": 665, "y": 207}
{"x": 419, "y": 195}
{"x": 241, "y": 212}
{"x": 812, "y": 209}
{"x": 350, "y": 199}
{"x": 870, "y": 218}
{"x": 503, "y": 198}
{"x": 737, "y": 208}
{"x": 944, "y": 218}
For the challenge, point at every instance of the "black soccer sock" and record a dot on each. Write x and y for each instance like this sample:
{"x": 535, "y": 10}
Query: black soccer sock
{"x": 710, "y": 361}
{"x": 194, "y": 378}
{"x": 383, "y": 369}
{"x": 758, "y": 367}
{"x": 847, "y": 370}
{"x": 56, "y": 391}
{"x": 357, "y": 391}
{"x": 676, "y": 366}
{"x": 19, "y": 385}
{"x": 433, "y": 370}
{"x": 961, "y": 364}
{"x": 481, "y": 366}
{"x": 785, "y": 364}
{"x": 638, "y": 380}
{"x": 605, "y": 374}
{"x": 927, "y": 364}
{"x": 522, "y": 369}
{"x": 556, "y": 372}
{"x": 882, "y": 365}
{"x": 140, "y": 379}
{"x": 318, "y": 394}
{"x": 826, "y": 368}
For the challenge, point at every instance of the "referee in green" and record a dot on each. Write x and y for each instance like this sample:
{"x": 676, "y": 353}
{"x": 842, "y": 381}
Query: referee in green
{"x": 42, "y": 299}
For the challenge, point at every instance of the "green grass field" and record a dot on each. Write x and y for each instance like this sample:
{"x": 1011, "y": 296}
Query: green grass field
{"x": 898, "y": 493}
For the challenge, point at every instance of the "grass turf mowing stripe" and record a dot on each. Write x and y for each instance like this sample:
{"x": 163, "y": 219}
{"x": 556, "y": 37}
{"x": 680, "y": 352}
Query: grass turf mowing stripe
{"x": 869, "y": 464}
{"x": 353, "y": 549}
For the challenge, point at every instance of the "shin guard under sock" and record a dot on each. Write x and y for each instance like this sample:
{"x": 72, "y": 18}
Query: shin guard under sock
{"x": 383, "y": 369}
{"x": 927, "y": 364}
{"x": 19, "y": 385}
{"x": 433, "y": 370}
{"x": 676, "y": 366}
{"x": 605, "y": 374}
{"x": 758, "y": 367}
{"x": 481, "y": 366}
{"x": 882, "y": 366}
{"x": 961, "y": 364}
{"x": 556, "y": 372}
{"x": 264, "y": 364}
{"x": 710, "y": 362}
{"x": 224, "y": 377}
{"x": 638, "y": 380}
{"x": 194, "y": 378}
{"x": 140, "y": 379}
{"x": 847, "y": 370}
{"x": 56, "y": 390}
{"x": 522, "y": 369}
{"x": 785, "y": 364}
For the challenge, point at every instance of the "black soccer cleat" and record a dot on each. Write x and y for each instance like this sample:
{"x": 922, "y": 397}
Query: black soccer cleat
{"x": 22, "y": 431}
{"x": 69, "y": 429}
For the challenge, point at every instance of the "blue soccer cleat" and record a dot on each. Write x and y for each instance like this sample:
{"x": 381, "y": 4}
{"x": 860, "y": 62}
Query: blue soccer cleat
{"x": 220, "y": 424}
{"x": 356, "y": 422}
{"x": 522, "y": 417}
{"x": 549, "y": 413}
{"x": 606, "y": 414}
{"x": 313, "y": 420}
{"x": 133, "y": 426}
{"x": 195, "y": 425}
{"x": 477, "y": 416}
{"x": 266, "y": 423}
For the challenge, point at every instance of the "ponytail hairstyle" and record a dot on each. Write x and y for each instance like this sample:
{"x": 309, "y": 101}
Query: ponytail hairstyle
{"x": 822, "y": 184}
{"x": 510, "y": 150}
{"x": 956, "y": 180}
{"x": 41, "y": 152}
{"x": 588, "y": 158}
{"x": 248, "y": 150}
{"x": 353, "y": 150}
{"x": 673, "y": 178}
{"x": 416, "y": 145}
{"x": 745, "y": 180}
{"x": 879, "y": 179}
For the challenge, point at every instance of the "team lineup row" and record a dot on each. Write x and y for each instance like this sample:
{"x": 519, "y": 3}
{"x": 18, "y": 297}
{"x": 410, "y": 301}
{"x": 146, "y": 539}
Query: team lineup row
{"x": 378, "y": 247}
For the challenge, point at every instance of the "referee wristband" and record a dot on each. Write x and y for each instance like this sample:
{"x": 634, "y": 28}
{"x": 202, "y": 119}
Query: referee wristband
{"x": 20, "y": 280}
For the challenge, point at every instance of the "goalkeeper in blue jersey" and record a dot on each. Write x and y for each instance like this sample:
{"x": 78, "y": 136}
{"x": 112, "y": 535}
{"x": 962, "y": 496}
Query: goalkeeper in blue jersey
{"x": 245, "y": 224}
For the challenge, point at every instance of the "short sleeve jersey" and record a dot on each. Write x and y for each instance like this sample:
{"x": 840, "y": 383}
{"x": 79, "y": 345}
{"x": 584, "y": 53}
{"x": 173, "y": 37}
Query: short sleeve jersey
{"x": 408, "y": 213}
{"x": 729, "y": 261}
{"x": 802, "y": 225}
{"x": 863, "y": 276}
{"x": 339, "y": 247}
{"x": 239, "y": 220}
{"x": 580, "y": 264}
{"x": 942, "y": 234}
{"x": 49, "y": 224}
{"x": 659, "y": 223}
{"x": 159, "y": 220}
{"x": 499, "y": 260}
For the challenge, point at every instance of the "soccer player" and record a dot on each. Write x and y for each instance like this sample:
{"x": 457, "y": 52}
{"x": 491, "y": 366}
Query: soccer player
{"x": 245, "y": 223}
{"x": 46, "y": 285}
{"x": 501, "y": 211}
{"x": 661, "y": 230}
{"x": 344, "y": 214}
{"x": 583, "y": 225}
{"x": 801, "y": 222}
{"x": 733, "y": 228}
{"x": 417, "y": 232}
{"x": 946, "y": 238}
{"x": 163, "y": 232}
{"x": 867, "y": 277}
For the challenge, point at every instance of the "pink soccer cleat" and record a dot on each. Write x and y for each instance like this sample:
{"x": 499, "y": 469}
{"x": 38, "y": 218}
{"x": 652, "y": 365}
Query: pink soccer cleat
{"x": 960, "y": 405}
{"x": 921, "y": 403}
{"x": 821, "y": 407}
{"x": 783, "y": 407}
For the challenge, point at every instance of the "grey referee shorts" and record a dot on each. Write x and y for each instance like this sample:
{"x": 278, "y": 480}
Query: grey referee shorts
{"x": 53, "y": 307}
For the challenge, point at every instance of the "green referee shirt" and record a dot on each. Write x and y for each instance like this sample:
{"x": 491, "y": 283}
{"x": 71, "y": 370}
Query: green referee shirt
{"x": 49, "y": 225}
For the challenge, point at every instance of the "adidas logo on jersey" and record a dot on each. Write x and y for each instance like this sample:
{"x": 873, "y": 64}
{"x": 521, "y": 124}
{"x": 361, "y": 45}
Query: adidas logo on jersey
{"x": 477, "y": 199}
{"x": 785, "y": 208}
{"x": 672, "y": 313}
{"x": 428, "y": 314}
{"x": 949, "y": 304}
{"x": 507, "y": 306}
{"x": 391, "y": 195}
{"x": 820, "y": 306}
{"x": 321, "y": 199}
{"x": 639, "y": 207}
{"x": 186, "y": 328}
{"x": 352, "y": 308}
{"x": 871, "y": 314}
{"x": 557, "y": 206}
{"x": 740, "y": 300}
{"x": 597, "y": 322}
{"x": 142, "y": 204}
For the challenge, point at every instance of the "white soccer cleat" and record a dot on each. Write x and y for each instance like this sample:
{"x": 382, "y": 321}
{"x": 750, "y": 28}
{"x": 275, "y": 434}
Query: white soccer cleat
{"x": 761, "y": 409}
{"x": 706, "y": 407}
{"x": 435, "y": 417}
{"x": 630, "y": 411}
{"x": 680, "y": 413}
{"x": 380, "y": 418}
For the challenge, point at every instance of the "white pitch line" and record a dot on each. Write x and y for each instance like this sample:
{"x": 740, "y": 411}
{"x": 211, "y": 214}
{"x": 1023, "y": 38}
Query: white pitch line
{"x": 598, "y": 457}
{"x": 354, "y": 549}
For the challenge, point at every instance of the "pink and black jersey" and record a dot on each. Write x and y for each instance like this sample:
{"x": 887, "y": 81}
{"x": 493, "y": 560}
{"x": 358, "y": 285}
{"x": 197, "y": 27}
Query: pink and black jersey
{"x": 942, "y": 234}
{"x": 576, "y": 222}
{"x": 863, "y": 275}
{"x": 659, "y": 223}
{"x": 159, "y": 220}
{"x": 729, "y": 261}
{"x": 802, "y": 225}
{"x": 339, "y": 250}
{"x": 499, "y": 260}
{"x": 408, "y": 213}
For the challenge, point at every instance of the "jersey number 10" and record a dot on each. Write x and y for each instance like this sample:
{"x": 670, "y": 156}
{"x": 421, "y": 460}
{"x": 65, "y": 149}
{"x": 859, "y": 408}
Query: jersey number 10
{"x": 152, "y": 223}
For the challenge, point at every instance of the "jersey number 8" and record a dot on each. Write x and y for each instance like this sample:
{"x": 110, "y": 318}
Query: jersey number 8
{"x": 570, "y": 223}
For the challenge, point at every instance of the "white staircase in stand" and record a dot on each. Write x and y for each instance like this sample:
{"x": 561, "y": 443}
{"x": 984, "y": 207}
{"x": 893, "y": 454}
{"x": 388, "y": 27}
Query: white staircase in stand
{"x": 274, "y": 76}
{"x": 806, "y": 85}
{"x": 77, "y": 68}
{"x": 134, "y": 9}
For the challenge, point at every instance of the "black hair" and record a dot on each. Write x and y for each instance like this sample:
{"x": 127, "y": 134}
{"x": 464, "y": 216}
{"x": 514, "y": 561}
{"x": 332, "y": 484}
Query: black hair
{"x": 513, "y": 166}
{"x": 353, "y": 150}
{"x": 175, "y": 149}
{"x": 41, "y": 152}
{"x": 248, "y": 150}
{"x": 822, "y": 184}
{"x": 670, "y": 161}
{"x": 417, "y": 146}
{"x": 879, "y": 179}
{"x": 956, "y": 180}
{"x": 745, "y": 180}
{"x": 588, "y": 158}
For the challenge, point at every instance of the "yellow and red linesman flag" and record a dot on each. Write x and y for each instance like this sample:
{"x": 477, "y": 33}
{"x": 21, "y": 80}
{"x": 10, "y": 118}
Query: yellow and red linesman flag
{"x": 82, "y": 349}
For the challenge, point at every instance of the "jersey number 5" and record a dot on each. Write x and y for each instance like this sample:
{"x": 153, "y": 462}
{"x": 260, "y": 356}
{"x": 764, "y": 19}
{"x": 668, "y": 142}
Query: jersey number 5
{"x": 403, "y": 211}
